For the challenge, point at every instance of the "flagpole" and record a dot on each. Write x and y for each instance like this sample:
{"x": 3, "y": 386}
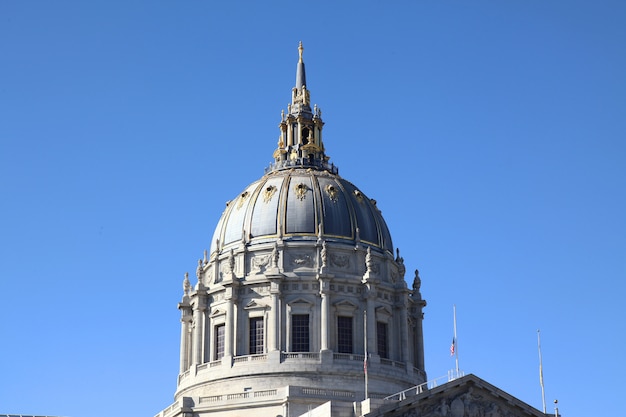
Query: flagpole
{"x": 365, "y": 349}
{"x": 543, "y": 393}
{"x": 456, "y": 344}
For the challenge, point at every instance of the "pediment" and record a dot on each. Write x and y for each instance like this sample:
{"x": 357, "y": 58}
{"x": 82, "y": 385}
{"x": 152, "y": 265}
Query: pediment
{"x": 383, "y": 311}
{"x": 468, "y": 396}
{"x": 300, "y": 302}
{"x": 253, "y": 304}
{"x": 345, "y": 305}
{"x": 217, "y": 312}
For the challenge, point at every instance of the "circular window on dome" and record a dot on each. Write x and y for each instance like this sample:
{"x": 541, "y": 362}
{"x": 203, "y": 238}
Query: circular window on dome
{"x": 358, "y": 195}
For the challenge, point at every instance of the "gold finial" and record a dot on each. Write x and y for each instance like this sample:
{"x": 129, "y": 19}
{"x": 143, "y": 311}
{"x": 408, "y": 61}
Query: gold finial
{"x": 300, "y": 49}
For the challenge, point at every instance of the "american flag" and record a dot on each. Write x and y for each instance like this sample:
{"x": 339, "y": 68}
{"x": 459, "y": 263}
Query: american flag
{"x": 453, "y": 347}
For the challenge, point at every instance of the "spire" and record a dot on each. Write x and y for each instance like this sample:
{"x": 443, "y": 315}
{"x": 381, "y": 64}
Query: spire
{"x": 300, "y": 72}
{"x": 300, "y": 141}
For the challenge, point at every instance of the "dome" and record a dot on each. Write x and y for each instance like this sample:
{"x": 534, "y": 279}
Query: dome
{"x": 301, "y": 292}
{"x": 302, "y": 204}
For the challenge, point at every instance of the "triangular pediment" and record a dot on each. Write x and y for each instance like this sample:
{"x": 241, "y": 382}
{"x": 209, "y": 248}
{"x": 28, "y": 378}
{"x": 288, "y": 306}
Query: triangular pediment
{"x": 300, "y": 302}
{"x": 217, "y": 312}
{"x": 253, "y": 304}
{"x": 345, "y": 305}
{"x": 468, "y": 396}
{"x": 383, "y": 311}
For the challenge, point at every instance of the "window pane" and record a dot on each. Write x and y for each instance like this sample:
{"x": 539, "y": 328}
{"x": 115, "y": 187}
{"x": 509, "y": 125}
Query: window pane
{"x": 300, "y": 333}
{"x": 220, "y": 332}
{"x": 344, "y": 334}
{"x": 256, "y": 335}
{"x": 381, "y": 338}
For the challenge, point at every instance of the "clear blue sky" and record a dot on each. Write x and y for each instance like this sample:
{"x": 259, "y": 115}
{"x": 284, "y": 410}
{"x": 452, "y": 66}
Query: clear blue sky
{"x": 491, "y": 133}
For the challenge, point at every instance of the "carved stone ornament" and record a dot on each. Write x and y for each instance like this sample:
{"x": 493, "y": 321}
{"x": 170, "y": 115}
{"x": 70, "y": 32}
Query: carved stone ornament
{"x": 228, "y": 265}
{"x": 301, "y": 190}
{"x": 186, "y": 284}
{"x": 340, "y": 261}
{"x": 302, "y": 260}
{"x": 242, "y": 199}
{"x": 259, "y": 263}
{"x": 199, "y": 270}
{"x": 275, "y": 256}
{"x": 332, "y": 192}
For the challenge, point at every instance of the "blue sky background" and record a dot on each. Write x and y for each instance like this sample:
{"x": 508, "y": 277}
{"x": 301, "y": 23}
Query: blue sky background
{"x": 491, "y": 133}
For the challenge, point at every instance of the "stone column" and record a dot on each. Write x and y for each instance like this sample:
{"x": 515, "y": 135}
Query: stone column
{"x": 230, "y": 322}
{"x": 273, "y": 333}
{"x": 372, "y": 346}
{"x": 325, "y": 311}
{"x": 419, "y": 335}
{"x": 184, "y": 342}
{"x": 404, "y": 330}
{"x": 198, "y": 334}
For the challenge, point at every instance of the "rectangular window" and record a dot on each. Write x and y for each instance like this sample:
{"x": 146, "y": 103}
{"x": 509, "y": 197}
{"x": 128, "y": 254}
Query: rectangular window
{"x": 220, "y": 333}
{"x": 256, "y": 335}
{"x": 300, "y": 333}
{"x": 344, "y": 334}
{"x": 381, "y": 339}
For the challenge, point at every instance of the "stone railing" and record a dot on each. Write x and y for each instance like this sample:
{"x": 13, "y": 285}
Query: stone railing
{"x": 348, "y": 357}
{"x": 326, "y": 393}
{"x": 300, "y": 355}
{"x": 250, "y": 358}
{"x": 170, "y": 410}
{"x": 239, "y": 396}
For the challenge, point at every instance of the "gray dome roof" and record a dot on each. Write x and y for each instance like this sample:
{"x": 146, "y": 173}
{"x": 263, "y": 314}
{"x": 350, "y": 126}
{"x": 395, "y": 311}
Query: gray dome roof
{"x": 301, "y": 196}
{"x": 302, "y": 204}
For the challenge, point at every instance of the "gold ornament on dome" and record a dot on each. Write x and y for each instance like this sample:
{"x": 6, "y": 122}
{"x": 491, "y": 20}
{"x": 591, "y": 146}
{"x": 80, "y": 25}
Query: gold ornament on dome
{"x": 358, "y": 195}
{"x": 301, "y": 190}
{"x": 242, "y": 198}
{"x": 268, "y": 193}
{"x": 332, "y": 192}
